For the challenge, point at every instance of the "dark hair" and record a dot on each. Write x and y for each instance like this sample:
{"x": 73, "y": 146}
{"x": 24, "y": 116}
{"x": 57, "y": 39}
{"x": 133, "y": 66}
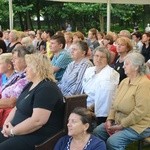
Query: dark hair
{"x": 1, "y": 34}
{"x": 60, "y": 39}
{"x": 83, "y": 46}
{"x": 23, "y": 50}
{"x": 138, "y": 35}
{"x": 94, "y": 32}
{"x": 86, "y": 117}
{"x": 109, "y": 38}
{"x": 50, "y": 32}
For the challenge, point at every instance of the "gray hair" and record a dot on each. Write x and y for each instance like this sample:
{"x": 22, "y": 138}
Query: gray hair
{"x": 105, "y": 51}
{"x": 138, "y": 60}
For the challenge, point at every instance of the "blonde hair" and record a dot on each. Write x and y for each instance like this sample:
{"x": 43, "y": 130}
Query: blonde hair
{"x": 6, "y": 57}
{"x": 15, "y": 34}
{"x": 26, "y": 41}
{"x": 41, "y": 65}
{"x": 70, "y": 34}
{"x": 126, "y": 41}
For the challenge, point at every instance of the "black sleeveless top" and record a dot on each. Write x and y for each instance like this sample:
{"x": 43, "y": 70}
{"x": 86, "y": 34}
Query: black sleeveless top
{"x": 9, "y": 49}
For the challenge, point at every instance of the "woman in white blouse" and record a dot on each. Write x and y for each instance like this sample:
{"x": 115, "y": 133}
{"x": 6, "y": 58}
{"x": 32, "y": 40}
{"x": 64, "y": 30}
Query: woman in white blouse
{"x": 99, "y": 83}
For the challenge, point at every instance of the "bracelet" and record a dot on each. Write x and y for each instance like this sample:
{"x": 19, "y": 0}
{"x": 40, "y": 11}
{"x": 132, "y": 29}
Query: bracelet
{"x": 12, "y": 133}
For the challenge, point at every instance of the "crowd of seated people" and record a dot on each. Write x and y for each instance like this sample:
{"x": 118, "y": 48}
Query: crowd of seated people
{"x": 100, "y": 66}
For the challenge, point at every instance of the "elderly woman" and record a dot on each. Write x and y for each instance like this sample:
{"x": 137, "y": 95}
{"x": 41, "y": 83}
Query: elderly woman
{"x": 124, "y": 45}
{"x": 129, "y": 117}
{"x": 6, "y": 67}
{"x": 80, "y": 125}
{"x": 13, "y": 39}
{"x": 41, "y": 97}
{"x": 70, "y": 83}
{"x": 99, "y": 83}
{"x": 14, "y": 86}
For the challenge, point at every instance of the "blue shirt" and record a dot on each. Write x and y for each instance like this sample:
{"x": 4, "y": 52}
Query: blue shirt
{"x": 70, "y": 83}
{"x": 94, "y": 143}
{"x": 61, "y": 61}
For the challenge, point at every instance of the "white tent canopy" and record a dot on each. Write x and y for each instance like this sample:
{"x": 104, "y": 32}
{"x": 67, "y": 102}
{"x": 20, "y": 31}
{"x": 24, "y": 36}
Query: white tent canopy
{"x": 109, "y": 2}
{"x": 141, "y": 2}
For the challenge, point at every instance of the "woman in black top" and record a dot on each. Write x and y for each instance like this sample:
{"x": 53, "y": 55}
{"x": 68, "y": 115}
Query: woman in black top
{"x": 124, "y": 45}
{"x": 146, "y": 46}
{"x": 39, "y": 110}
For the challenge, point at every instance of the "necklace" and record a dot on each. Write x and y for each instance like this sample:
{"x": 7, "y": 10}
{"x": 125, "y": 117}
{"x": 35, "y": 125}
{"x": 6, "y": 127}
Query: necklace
{"x": 84, "y": 146}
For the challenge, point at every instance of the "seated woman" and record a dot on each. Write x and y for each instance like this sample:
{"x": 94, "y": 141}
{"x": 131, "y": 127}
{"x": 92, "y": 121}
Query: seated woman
{"x": 99, "y": 83}
{"x": 6, "y": 68}
{"x": 80, "y": 125}
{"x": 123, "y": 45}
{"x": 129, "y": 117}
{"x": 39, "y": 110}
{"x": 14, "y": 86}
{"x": 70, "y": 83}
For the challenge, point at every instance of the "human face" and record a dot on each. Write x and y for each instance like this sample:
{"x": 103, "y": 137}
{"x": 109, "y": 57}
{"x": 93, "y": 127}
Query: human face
{"x": 129, "y": 69}
{"x": 76, "y": 39}
{"x": 100, "y": 59}
{"x": 105, "y": 42}
{"x": 145, "y": 38}
{"x": 76, "y": 52}
{"x": 55, "y": 47}
{"x": 75, "y": 125}
{"x": 4, "y": 67}
{"x": 18, "y": 62}
{"x": 30, "y": 73}
{"x": 134, "y": 38}
{"x": 11, "y": 37}
{"x": 68, "y": 39}
{"x": 90, "y": 35}
{"x": 121, "y": 47}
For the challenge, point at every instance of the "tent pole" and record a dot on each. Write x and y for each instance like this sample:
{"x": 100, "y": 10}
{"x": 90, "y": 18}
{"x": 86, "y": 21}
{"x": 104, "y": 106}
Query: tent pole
{"x": 10, "y": 15}
{"x": 108, "y": 15}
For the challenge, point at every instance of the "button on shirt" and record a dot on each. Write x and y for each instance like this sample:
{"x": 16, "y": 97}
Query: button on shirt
{"x": 70, "y": 83}
{"x": 100, "y": 88}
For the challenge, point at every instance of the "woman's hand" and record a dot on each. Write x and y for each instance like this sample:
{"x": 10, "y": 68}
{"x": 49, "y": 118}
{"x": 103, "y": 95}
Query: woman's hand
{"x": 115, "y": 128}
{"x": 6, "y": 129}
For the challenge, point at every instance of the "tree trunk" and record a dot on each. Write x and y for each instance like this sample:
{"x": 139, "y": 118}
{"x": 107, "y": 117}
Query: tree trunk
{"x": 21, "y": 21}
{"x": 101, "y": 19}
{"x": 38, "y": 14}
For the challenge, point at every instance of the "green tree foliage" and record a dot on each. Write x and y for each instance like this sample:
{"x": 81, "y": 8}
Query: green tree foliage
{"x": 81, "y": 16}
{"x": 4, "y": 20}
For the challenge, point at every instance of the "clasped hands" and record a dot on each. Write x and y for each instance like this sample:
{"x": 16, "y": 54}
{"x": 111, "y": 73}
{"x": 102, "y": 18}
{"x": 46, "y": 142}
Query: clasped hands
{"x": 6, "y": 129}
{"x": 112, "y": 128}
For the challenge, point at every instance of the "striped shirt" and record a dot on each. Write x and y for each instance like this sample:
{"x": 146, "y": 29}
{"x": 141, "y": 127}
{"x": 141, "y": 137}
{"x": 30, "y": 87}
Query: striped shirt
{"x": 72, "y": 78}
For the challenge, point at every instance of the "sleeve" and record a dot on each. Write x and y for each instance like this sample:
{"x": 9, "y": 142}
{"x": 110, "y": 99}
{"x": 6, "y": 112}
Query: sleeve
{"x": 142, "y": 105}
{"x": 77, "y": 86}
{"x": 112, "y": 111}
{"x": 97, "y": 144}
{"x": 60, "y": 83}
{"x": 61, "y": 144}
{"x": 15, "y": 89}
{"x": 62, "y": 61}
{"x": 46, "y": 97}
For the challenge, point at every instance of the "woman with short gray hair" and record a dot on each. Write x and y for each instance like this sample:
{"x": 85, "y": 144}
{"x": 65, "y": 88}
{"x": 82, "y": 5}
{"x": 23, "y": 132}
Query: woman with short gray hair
{"x": 129, "y": 117}
{"x": 99, "y": 83}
